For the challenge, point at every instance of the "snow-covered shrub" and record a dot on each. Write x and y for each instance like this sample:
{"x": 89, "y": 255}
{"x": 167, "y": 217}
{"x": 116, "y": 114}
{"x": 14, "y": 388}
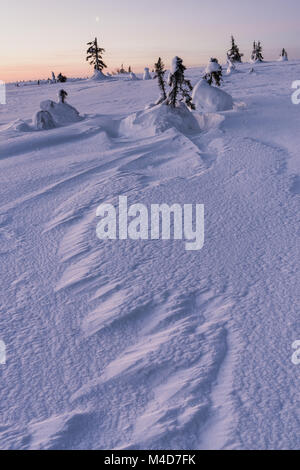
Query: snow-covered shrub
{"x": 283, "y": 56}
{"x": 213, "y": 72}
{"x": 211, "y": 99}
{"x": 62, "y": 96}
{"x": 147, "y": 75}
{"x": 256, "y": 55}
{"x": 43, "y": 121}
{"x": 61, "y": 78}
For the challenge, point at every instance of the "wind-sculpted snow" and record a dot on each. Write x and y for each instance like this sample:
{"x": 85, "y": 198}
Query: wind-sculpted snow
{"x": 210, "y": 98}
{"x": 158, "y": 119}
{"x": 141, "y": 344}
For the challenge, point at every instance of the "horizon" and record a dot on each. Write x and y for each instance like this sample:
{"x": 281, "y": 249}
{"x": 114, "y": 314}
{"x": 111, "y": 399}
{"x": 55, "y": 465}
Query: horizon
{"x": 135, "y": 33}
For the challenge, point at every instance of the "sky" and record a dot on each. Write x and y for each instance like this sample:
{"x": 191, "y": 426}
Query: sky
{"x": 38, "y": 37}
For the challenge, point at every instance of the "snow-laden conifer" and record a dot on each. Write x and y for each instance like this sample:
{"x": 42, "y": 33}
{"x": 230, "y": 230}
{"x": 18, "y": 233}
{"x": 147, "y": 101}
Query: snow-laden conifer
{"x": 160, "y": 75}
{"x": 180, "y": 87}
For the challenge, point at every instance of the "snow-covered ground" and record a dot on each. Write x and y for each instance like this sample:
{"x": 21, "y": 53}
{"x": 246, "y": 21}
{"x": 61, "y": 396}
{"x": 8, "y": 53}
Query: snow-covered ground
{"x": 142, "y": 344}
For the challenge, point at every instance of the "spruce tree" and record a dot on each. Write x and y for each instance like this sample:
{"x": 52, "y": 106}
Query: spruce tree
{"x": 284, "y": 54}
{"x": 253, "y": 55}
{"x": 94, "y": 55}
{"x": 180, "y": 86}
{"x": 257, "y": 52}
{"x": 234, "y": 54}
{"x": 160, "y": 74}
{"x": 259, "y": 55}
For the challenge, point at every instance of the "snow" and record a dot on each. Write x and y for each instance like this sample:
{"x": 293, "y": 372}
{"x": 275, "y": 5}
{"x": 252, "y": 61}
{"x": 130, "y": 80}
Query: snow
{"x": 213, "y": 67}
{"x": 43, "y": 121}
{"x": 147, "y": 75}
{"x": 173, "y": 68}
{"x": 133, "y": 345}
{"x": 99, "y": 76}
{"x": 211, "y": 99}
{"x": 231, "y": 68}
{"x": 61, "y": 113}
{"x": 133, "y": 76}
{"x": 158, "y": 119}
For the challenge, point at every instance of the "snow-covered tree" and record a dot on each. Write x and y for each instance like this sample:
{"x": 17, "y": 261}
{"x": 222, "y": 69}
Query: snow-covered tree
{"x": 213, "y": 72}
{"x": 253, "y": 51}
{"x": 234, "y": 54}
{"x": 94, "y": 55}
{"x": 257, "y": 52}
{"x": 160, "y": 75}
{"x": 147, "y": 75}
{"x": 284, "y": 55}
{"x": 181, "y": 88}
{"x": 61, "y": 78}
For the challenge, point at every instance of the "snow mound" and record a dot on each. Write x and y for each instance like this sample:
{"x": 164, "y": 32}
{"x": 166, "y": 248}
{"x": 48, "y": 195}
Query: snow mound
{"x": 231, "y": 69}
{"x": 147, "y": 75}
{"x": 99, "y": 76}
{"x": 18, "y": 126}
{"x": 43, "y": 121}
{"x": 133, "y": 76}
{"x": 211, "y": 99}
{"x": 62, "y": 114}
{"x": 283, "y": 59}
{"x": 158, "y": 119}
{"x": 209, "y": 121}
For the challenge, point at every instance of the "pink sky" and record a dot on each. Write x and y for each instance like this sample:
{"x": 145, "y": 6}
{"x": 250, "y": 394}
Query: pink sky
{"x": 44, "y": 37}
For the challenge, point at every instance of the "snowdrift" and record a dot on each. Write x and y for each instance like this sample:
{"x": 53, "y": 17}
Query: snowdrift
{"x": 283, "y": 59}
{"x": 211, "y": 99}
{"x": 99, "y": 76}
{"x": 133, "y": 76}
{"x": 158, "y": 119}
{"x": 232, "y": 69}
{"x": 57, "y": 114}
